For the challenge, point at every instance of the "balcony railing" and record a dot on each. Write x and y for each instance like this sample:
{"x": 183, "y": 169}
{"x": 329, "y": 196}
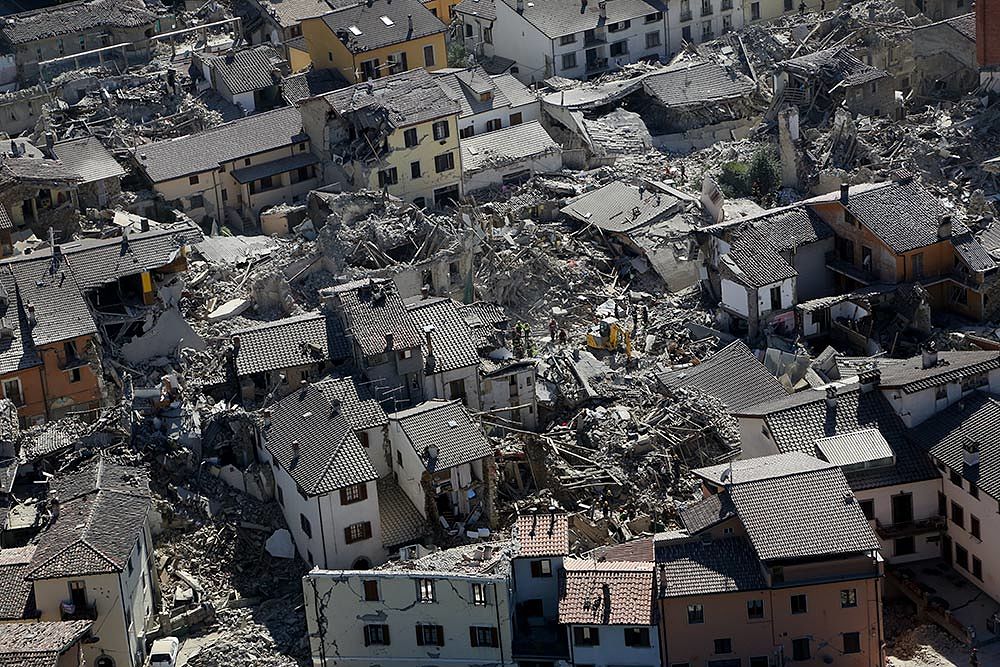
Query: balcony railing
{"x": 71, "y": 612}
{"x": 907, "y": 528}
{"x": 686, "y": 15}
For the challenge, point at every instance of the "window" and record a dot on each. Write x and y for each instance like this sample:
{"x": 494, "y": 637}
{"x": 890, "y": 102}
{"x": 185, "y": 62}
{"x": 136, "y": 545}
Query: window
{"x": 755, "y": 609}
{"x": 942, "y": 504}
{"x": 956, "y": 479}
{"x": 369, "y": 69}
{"x": 957, "y": 515}
{"x": 197, "y": 201}
{"x": 415, "y": 170}
{"x": 353, "y": 494}
{"x": 653, "y": 18}
{"x": 357, "y": 532}
{"x": 430, "y": 635}
{"x": 586, "y": 636}
{"x": 759, "y": 661}
{"x": 410, "y": 137}
{"x": 652, "y": 39}
{"x": 478, "y": 594}
{"x": 723, "y": 646}
{"x": 466, "y": 132}
{"x": 494, "y": 125}
{"x": 376, "y": 635}
{"x": 917, "y": 265}
{"x": 74, "y": 375}
{"x": 977, "y": 568}
{"x": 541, "y": 568}
{"x": 973, "y": 489}
{"x": 567, "y": 39}
{"x": 387, "y": 177}
{"x": 12, "y": 391}
{"x": 799, "y": 605}
{"x": 468, "y": 30}
{"x": 755, "y": 11}
{"x": 618, "y": 49}
{"x": 637, "y": 637}
{"x": 904, "y": 546}
{"x": 618, "y": 27}
{"x": 800, "y": 647}
{"x": 961, "y": 557}
{"x": 371, "y": 590}
{"x": 479, "y": 636}
{"x": 444, "y": 162}
{"x": 852, "y": 642}
{"x": 306, "y": 526}
{"x": 441, "y": 130}
{"x": 788, "y": 5}
{"x": 686, "y": 33}
{"x": 425, "y": 590}
{"x": 867, "y": 508}
{"x": 727, "y": 25}
{"x": 488, "y": 38}
{"x": 706, "y": 30}
{"x": 569, "y": 60}
{"x": 696, "y": 614}
{"x": 399, "y": 458}
{"x": 974, "y": 527}
{"x": 281, "y": 495}
{"x": 776, "y": 297}
{"x": 429, "y": 55}
{"x": 516, "y": 119}
{"x": 848, "y": 598}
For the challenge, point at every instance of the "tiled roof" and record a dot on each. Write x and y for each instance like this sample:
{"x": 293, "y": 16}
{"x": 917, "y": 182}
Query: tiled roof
{"x": 753, "y": 260}
{"x": 18, "y": 351}
{"x": 274, "y": 167}
{"x": 102, "y": 512}
{"x": 61, "y": 312}
{"x": 247, "y": 69}
{"x": 972, "y": 252}
{"x": 516, "y": 92}
{"x": 694, "y": 567}
{"x": 555, "y": 18}
{"x": 617, "y": 207}
{"x": 323, "y": 424}
{"x": 904, "y": 215}
{"x": 850, "y": 449}
{"x": 973, "y": 420}
{"x": 607, "y": 593}
{"x": 312, "y": 338}
{"x": 401, "y": 522}
{"x": 410, "y": 98}
{"x": 790, "y": 228}
{"x": 446, "y": 427}
{"x": 288, "y": 13}
{"x": 43, "y": 441}
{"x": 42, "y": 636}
{"x": 639, "y": 549}
{"x": 380, "y": 23}
{"x": 16, "y": 591}
{"x": 797, "y": 422}
{"x": 88, "y": 158}
{"x": 14, "y": 171}
{"x": 451, "y": 337}
{"x": 206, "y": 150}
{"x": 466, "y": 86}
{"x": 910, "y": 376}
{"x": 834, "y": 65}
{"x": 964, "y": 24}
{"x": 73, "y": 17}
{"x": 693, "y": 84}
{"x": 733, "y": 375}
{"x": 802, "y": 515}
{"x": 484, "y": 9}
{"x": 357, "y": 403}
{"x": 311, "y": 83}
{"x": 33, "y": 659}
{"x": 374, "y": 310}
{"x": 707, "y": 512}
{"x": 760, "y": 467}
{"x": 542, "y": 535}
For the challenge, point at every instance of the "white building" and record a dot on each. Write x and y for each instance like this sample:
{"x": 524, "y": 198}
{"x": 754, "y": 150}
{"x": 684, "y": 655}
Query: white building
{"x": 326, "y": 445}
{"x": 94, "y": 560}
{"x": 542, "y": 545}
{"x": 442, "y": 461}
{"x": 451, "y": 363}
{"x": 487, "y": 103}
{"x": 608, "y": 610}
{"x": 508, "y": 157}
{"x": 572, "y": 38}
{"x": 697, "y": 21}
{"x": 449, "y": 607}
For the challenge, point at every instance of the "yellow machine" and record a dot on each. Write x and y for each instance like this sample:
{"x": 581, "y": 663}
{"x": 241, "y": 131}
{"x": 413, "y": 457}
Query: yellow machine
{"x": 610, "y": 334}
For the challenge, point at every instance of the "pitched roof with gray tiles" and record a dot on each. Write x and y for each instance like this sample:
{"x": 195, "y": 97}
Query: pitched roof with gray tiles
{"x": 509, "y": 146}
{"x": 753, "y": 261}
{"x": 246, "y": 69}
{"x": 516, "y": 92}
{"x": 619, "y": 207}
{"x": 442, "y": 434}
{"x": 75, "y": 17}
{"x": 694, "y": 567}
{"x": 315, "y": 421}
{"x": 964, "y": 25}
{"x": 53, "y": 637}
{"x": 542, "y": 535}
{"x": 694, "y": 84}
{"x": 289, "y": 13}
{"x": 88, "y": 158}
{"x": 312, "y": 338}
{"x": 451, "y": 337}
{"x": 311, "y": 83}
{"x": 35, "y": 171}
{"x": 375, "y": 311}
{"x": 607, "y": 593}
{"x": 802, "y": 515}
{"x": 401, "y": 522}
{"x": 788, "y": 229}
{"x": 16, "y": 591}
{"x": 206, "y": 150}
{"x": 18, "y": 350}
{"x": 465, "y": 86}
{"x": 555, "y": 18}
{"x": 760, "y": 467}
{"x": 61, "y": 312}
{"x": 102, "y": 513}
{"x": 733, "y": 375}
{"x": 382, "y": 23}
{"x": 910, "y": 376}
{"x": 863, "y": 447}
{"x": 707, "y": 512}
{"x": 484, "y": 9}
{"x": 834, "y": 65}
{"x": 410, "y": 98}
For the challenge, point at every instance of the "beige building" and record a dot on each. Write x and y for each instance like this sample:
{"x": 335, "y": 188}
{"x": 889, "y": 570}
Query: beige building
{"x": 450, "y": 607}
{"x": 230, "y": 173}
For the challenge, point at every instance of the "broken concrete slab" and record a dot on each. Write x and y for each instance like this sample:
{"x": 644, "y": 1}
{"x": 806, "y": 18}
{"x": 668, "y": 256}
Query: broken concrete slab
{"x": 280, "y": 544}
{"x": 229, "y": 309}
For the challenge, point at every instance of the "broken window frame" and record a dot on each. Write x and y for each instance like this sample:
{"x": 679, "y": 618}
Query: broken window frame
{"x": 388, "y": 177}
{"x": 478, "y": 596}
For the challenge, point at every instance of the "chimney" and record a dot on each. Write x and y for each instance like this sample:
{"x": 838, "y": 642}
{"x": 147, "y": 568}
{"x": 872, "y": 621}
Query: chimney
{"x": 425, "y": 291}
{"x": 928, "y": 355}
{"x": 602, "y": 8}
{"x": 236, "y": 344}
{"x": 266, "y": 417}
{"x": 429, "y": 333}
{"x": 388, "y": 342}
{"x": 144, "y": 224}
{"x": 13, "y": 148}
{"x": 845, "y": 194}
{"x": 31, "y": 313}
{"x": 970, "y": 453}
{"x": 944, "y": 226}
{"x": 869, "y": 379}
{"x": 520, "y": 6}
{"x": 295, "y": 450}
{"x": 50, "y": 141}
{"x": 831, "y": 397}
{"x": 409, "y": 22}
{"x": 54, "y": 507}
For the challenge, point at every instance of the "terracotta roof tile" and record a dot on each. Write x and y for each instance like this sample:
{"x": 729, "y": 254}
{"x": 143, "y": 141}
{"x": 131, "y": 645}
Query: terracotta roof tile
{"x": 542, "y": 535}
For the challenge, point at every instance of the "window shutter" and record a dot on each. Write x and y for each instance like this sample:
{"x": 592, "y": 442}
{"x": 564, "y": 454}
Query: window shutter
{"x": 367, "y": 636}
{"x": 385, "y": 634}
{"x": 420, "y": 636}
{"x": 440, "y": 633}
{"x": 596, "y": 636}
{"x": 473, "y": 636}
{"x": 347, "y": 535}
{"x": 368, "y": 529}
{"x": 536, "y": 568}
{"x": 364, "y": 493}
{"x": 343, "y": 496}
{"x": 494, "y": 637}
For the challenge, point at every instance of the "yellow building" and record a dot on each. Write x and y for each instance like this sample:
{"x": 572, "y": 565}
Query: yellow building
{"x": 441, "y": 9}
{"x": 398, "y": 134}
{"x": 373, "y": 39}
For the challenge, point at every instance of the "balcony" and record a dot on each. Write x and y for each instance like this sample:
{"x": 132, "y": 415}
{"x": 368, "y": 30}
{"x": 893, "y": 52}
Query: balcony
{"x": 685, "y": 15}
{"x": 71, "y": 612}
{"x": 594, "y": 38}
{"x": 906, "y": 528}
{"x": 846, "y": 268}
{"x": 597, "y": 65}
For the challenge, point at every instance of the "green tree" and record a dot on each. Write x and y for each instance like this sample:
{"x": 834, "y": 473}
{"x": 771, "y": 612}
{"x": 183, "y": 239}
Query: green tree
{"x": 764, "y": 176}
{"x": 457, "y": 55}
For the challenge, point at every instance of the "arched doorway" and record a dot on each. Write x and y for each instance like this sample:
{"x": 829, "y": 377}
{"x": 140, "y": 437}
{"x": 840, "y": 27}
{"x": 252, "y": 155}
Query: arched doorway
{"x": 362, "y": 564}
